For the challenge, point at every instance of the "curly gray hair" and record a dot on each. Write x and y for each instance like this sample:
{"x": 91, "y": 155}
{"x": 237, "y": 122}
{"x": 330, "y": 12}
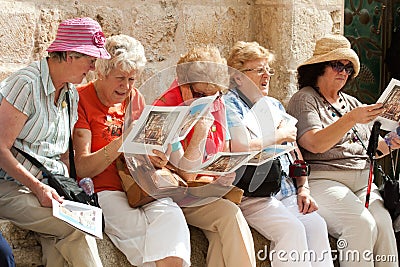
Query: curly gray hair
{"x": 126, "y": 52}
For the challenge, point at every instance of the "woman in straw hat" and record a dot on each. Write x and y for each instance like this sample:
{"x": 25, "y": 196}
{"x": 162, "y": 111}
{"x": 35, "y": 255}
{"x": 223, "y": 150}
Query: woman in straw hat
{"x": 34, "y": 118}
{"x": 286, "y": 217}
{"x": 333, "y": 132}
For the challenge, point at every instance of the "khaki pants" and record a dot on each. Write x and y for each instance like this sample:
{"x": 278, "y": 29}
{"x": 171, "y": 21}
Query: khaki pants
{"x": 341, "y": 199}
{"x": 61, "y": 244}
{"x": 229, "y": 236}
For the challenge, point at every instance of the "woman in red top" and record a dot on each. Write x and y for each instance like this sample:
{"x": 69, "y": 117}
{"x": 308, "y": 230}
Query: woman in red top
{"x": 155, "y": 234}
{"x": 202, "y": 72}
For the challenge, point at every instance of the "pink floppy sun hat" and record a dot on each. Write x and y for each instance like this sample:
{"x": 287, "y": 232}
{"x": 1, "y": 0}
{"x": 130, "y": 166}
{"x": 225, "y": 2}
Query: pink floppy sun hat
{"x": 82, "y": 35}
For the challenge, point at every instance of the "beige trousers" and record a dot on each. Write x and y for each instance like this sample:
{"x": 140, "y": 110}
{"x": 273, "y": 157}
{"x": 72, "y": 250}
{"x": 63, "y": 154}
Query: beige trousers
{"x": 229, "y": 236}
{"x": 366, "y": 237}
{"x": 62, "y": 245}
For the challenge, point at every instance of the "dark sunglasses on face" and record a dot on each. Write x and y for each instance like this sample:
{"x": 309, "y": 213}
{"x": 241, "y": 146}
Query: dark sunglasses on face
{"x": 339, "y": 67}
{"x": 196, "y": 94}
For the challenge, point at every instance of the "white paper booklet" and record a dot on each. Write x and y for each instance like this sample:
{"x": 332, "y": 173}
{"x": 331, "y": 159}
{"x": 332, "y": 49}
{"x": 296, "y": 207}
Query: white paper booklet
{"x": 224, "y": 162}
{"x": 81, "y": 216}
{"x": 391, "y": 100}
{"x": 159, "y": 126}
{"x": 269, "y": 153}
{"x": 263, "y": 111}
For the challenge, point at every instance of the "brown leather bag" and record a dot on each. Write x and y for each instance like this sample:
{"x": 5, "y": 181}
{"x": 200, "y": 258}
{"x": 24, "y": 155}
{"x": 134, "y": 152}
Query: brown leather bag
{"x": 165, "y": 182}
{"x": 153, "y": 184}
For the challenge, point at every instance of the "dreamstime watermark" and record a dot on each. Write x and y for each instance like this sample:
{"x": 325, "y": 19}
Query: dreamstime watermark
{"x": 341, "y": 253}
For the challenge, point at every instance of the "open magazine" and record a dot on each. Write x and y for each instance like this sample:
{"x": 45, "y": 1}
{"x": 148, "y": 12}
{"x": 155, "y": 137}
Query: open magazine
{"x": 159, "y": 126}
{"x": 81, "y": 216}
{"x": 269, "y": 153}
{"x": 224, "y": 162}
{"x": 391, "y": 101}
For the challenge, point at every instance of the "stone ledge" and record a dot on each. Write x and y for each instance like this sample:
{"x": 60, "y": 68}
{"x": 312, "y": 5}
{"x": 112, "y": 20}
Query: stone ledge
{"x": 27, "y": 250}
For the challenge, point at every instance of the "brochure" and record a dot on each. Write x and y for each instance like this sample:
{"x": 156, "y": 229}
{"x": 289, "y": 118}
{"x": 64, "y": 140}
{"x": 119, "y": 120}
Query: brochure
{"x": 159, "y": 126}
{"x": 224, "y": 162}
{"x": 269, "y": 153}
{"x": 391, "y": 101}
{"x": 263, "y": 111}
{"x": 81, "y": 216}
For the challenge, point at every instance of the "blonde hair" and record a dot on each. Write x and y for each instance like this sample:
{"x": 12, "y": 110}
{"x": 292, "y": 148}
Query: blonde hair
{"x": 126, "y": 52}
{"x": 242, "y": 52}
{"x": 203, "y": 64}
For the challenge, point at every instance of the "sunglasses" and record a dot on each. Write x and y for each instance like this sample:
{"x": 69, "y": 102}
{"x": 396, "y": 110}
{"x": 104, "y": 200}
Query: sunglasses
{"x": 339, "y": 67}
{"x": 196, "y": 94}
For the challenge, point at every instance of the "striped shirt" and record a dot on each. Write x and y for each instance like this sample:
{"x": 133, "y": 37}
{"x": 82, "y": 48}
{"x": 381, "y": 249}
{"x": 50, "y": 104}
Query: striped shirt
{"x": 45, "y": 134}
{"x": 236, "y": 109}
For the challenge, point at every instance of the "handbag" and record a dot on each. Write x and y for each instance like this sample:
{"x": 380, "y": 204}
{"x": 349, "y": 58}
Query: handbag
{"x": 390, "y": 192}
{"x": 65, "y": 186}
{"x": 165, "y": 182}
{"x": 149, "y": 183}
{"x": 260, "y": 181}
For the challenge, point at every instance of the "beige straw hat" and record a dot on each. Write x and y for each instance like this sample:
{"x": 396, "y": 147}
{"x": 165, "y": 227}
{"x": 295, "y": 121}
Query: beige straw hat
{"x": 334, "y": 47}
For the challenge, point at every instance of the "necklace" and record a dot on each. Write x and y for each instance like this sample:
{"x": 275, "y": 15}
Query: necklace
{"x": 336, "y": 112}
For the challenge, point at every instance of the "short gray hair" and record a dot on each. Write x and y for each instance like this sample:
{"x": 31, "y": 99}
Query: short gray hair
{"x": 126, "y": 53}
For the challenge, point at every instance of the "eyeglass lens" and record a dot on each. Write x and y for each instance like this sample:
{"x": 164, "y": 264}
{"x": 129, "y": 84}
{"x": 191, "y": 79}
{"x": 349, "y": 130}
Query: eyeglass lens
{"x": 262, "y": 70}
{"x": 339, "y": 67}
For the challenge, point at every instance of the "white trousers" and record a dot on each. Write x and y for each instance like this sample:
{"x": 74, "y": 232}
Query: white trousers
{"x": 361, "y": 232}
{"x": 296, "y": 239}
{"x": 146, "y": 234}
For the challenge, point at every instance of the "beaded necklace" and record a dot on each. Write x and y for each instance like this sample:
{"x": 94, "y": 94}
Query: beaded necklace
{"x": 336, "y": 112}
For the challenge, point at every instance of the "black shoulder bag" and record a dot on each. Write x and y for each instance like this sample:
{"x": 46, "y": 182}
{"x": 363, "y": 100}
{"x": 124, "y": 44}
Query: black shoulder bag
{"x": 259, "y": 181}
{"x": 66, "y": 187}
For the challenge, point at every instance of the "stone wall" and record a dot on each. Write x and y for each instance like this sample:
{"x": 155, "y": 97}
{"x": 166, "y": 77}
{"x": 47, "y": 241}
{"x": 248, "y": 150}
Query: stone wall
{"x": 168, "y": 27}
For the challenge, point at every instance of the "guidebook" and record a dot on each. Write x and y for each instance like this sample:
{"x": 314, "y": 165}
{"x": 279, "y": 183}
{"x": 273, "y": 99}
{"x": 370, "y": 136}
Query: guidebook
{"x": 159, "y": 126}
{"x": 81, "y": 216}
{"x": 269, "y": 153}
{"x": 391, "y": 102}
{"x": 224, "y": 162}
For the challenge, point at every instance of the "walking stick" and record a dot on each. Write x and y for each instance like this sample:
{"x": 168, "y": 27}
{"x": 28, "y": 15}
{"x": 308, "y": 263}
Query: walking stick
{"x": 371, "y": 151}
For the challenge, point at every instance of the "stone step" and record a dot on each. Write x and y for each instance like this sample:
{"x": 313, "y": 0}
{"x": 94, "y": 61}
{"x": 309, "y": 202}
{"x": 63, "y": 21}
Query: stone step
{"x": 27, "y": 250}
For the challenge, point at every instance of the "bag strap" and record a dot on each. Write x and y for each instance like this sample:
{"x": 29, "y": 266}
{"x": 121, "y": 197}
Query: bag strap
{"x": 72, "y": 169}
{"x": 35, "y": 162}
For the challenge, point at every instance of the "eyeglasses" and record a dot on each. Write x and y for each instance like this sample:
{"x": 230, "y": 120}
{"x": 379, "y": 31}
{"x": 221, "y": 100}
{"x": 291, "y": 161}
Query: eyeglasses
{"x": 339, "y": 67}
{"x": 262, "y": 70}
{"x": 196, "y": 94}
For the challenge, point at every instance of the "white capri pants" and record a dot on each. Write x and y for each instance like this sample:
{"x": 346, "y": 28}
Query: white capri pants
{"x": 146, "y": 234}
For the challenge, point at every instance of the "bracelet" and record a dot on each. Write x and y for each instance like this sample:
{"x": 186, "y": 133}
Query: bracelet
{"x": 305, "y": 186}
{"x": 107, "y": 157}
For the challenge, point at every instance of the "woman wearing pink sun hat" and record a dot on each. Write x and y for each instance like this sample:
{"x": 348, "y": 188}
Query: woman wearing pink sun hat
{"x": 35, "y": 100}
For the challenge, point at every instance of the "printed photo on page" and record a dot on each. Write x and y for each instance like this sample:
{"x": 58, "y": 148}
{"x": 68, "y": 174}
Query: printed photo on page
{"x": 391, "y": 101}
{"x": 81, "y": 216}
{"x": 224, "y": 163}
